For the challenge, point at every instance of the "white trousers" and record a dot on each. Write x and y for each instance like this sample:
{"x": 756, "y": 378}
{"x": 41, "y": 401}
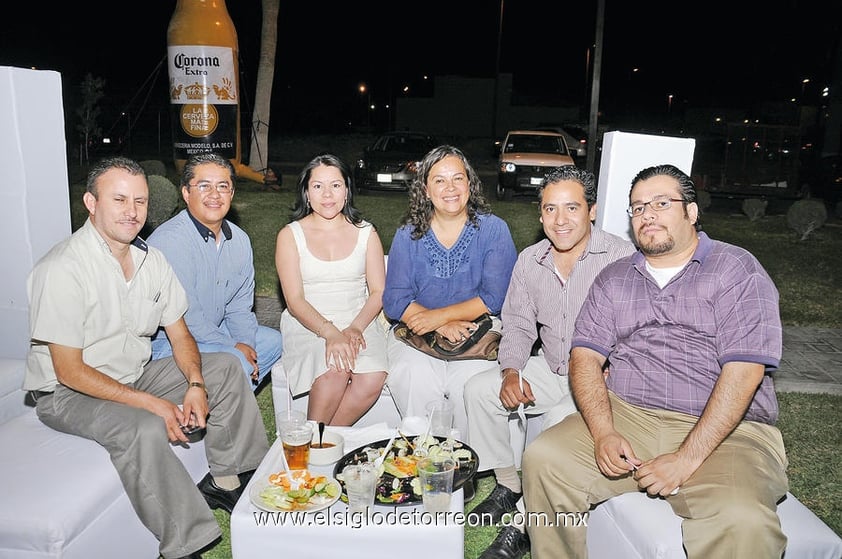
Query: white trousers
{"x": 416, "y": 379}
{"x": 488, "y": 420}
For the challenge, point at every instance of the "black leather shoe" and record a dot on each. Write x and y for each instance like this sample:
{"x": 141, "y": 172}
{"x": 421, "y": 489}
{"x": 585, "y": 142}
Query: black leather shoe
{"x": 510, "y": 543}
{"x": 469, "y": 490}
{"x": 218, "y": 498}
{"x": 499, "y": 502}
{"x": 245, "y": 477}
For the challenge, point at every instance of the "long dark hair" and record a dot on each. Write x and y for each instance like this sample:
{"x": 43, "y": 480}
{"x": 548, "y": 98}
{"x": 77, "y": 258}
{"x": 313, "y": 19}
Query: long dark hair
{"x": 302, "y": 208}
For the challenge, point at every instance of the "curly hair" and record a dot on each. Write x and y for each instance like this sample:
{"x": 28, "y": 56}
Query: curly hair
{"x": 421, "y": 209}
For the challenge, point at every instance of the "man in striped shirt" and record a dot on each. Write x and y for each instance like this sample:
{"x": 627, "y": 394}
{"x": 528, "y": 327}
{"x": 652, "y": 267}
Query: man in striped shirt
{"x": 549, "y": 283}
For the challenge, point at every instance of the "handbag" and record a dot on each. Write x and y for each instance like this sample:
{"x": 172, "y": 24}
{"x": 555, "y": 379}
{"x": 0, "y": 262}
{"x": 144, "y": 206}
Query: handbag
{"x": 481, "y": 344}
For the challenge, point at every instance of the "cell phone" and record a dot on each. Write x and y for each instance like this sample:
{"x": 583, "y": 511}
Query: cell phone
{"x": 190, "y": 429}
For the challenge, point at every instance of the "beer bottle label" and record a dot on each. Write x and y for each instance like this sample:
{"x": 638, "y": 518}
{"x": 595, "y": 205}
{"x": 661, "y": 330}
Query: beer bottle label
{"x": 203, "y": 100}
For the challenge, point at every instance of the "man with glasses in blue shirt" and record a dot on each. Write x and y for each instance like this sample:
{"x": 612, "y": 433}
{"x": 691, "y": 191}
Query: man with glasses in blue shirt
{"x": 213, "y": 259}
{"x": 692, "y": 331}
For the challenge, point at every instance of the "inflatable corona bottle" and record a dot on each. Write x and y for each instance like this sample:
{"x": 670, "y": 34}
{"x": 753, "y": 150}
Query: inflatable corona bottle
{"x": 203, "y": 64}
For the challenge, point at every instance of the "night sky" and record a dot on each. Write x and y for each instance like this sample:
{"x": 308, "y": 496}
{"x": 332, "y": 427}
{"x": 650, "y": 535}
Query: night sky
{"x": 708, "y": 55}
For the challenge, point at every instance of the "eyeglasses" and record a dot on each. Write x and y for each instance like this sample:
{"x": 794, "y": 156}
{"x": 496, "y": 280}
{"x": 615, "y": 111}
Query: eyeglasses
{"x": 221, "y": 187}
{"x": 658, "y": 204}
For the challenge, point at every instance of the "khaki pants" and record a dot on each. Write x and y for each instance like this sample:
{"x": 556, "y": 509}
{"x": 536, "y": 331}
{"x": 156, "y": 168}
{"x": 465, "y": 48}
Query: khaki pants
{"x": 728, "y": 506}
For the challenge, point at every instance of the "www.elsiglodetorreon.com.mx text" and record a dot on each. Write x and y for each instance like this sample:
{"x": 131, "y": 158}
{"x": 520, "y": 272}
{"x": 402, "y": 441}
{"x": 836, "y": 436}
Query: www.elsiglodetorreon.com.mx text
{"x": 414, "y": 517}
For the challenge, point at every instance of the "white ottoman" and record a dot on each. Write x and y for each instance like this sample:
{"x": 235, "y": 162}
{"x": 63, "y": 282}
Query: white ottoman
{"x": 635, "y": 526}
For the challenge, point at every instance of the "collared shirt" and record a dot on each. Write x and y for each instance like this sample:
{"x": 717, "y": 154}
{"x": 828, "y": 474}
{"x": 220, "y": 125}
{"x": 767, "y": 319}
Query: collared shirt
{"x": 538, "y": 303}
{"x": 219, "y": 279}
{"x": 479, "y": 264}
{"x": 667, "y": 346}
{"x": 80, "y": 298}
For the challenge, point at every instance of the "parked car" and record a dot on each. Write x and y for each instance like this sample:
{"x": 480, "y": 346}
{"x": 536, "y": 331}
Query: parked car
{"x": 525, "y": 157}
{"x": 575, "y": 136}
{"x": 391, "y": 161}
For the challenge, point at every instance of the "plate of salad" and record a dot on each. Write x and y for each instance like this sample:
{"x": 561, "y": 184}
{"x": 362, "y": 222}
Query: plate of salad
{"x": 398, "y": 482}
{"x": 299, "y": 492}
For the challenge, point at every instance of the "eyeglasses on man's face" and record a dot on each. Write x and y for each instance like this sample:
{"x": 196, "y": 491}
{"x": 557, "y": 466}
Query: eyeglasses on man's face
{"x": 659, "y": 204}
{"x": 205, "y": 186}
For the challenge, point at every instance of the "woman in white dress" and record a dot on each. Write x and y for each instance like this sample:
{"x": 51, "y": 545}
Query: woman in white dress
{"x": 332, "y": 272}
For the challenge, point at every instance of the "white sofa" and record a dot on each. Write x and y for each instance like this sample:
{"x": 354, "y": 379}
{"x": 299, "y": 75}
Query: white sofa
{"x": 636, "y": 526}
{"x": 61, "y": 497}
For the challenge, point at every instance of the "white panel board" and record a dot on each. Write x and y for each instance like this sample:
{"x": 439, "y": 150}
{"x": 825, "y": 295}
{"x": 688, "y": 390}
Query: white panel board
{"x": 624, "y": 155}
{"x": 34, "y": 194}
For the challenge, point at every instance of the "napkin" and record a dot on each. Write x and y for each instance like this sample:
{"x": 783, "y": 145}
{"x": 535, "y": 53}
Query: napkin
{"x": 356, "y": 437}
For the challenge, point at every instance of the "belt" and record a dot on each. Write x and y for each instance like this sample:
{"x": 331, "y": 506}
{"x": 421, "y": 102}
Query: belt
{"x": 35, "y": 394}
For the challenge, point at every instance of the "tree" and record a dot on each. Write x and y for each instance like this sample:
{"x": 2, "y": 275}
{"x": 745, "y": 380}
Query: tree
{"x": 89, "y": 130}
{"x": 259, "y": 153}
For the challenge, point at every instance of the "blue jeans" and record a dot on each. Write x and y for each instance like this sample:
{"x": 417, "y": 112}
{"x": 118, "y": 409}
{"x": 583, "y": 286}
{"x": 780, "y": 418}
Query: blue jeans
{"x": 269, "y": 348}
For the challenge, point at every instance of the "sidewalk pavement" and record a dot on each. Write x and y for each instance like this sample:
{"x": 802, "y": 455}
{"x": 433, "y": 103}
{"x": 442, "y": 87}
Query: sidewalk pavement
{"x": 811, "y": 362}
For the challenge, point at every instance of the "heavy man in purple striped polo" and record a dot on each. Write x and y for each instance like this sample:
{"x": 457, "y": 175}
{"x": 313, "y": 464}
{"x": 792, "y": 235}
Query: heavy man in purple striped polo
{"x": 692, "y": 331}
{"x": 549, "y": 283}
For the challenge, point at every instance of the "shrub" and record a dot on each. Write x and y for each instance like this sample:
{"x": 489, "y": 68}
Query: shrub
{"x": 154, "y": 167}
{"x": 805, "y": 216}
{"x": 163, "y": 200}
{"x": 754, "y": 208}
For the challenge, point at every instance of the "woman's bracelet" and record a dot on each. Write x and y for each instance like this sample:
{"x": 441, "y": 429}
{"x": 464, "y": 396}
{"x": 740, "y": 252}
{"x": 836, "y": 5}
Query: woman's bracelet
{"x": 507, "y": 372}
{"x": 322, "y": 325}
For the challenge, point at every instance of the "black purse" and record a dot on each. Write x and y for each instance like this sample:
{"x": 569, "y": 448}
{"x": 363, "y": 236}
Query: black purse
{"x": 483, "y": 343}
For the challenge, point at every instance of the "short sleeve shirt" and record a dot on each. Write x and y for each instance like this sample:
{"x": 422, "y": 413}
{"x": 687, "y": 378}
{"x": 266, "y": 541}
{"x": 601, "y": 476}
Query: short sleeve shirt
{"x": 666, "y": 346}
{"x": 79, "y": 298}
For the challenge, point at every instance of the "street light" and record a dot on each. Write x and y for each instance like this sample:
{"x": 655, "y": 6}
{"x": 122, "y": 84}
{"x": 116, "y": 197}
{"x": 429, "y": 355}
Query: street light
{"x": 368, "y": 107}
{"x": 669, "y": 103}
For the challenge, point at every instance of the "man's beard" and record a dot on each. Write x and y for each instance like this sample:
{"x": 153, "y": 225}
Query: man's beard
{"x": 657, "y": 248}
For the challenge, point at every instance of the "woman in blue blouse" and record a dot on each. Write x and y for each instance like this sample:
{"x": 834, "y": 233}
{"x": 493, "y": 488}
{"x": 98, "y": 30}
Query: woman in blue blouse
{"x": 450, "y": 261}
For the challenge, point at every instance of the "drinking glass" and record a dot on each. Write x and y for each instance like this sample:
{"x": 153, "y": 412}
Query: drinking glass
{"x": 360, "y": 485}
{"x": 440, "y": 416}
{"x": 436, "y": 476}
{"x": 296, "y": 439}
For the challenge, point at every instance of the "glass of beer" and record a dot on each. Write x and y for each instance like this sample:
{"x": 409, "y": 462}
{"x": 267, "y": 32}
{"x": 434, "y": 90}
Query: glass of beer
{"x": 296, "y": 440}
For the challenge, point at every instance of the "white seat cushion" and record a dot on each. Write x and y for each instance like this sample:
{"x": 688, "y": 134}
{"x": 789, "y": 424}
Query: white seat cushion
{"x": 62, "y": 496}
{"x": 636, "y": 526}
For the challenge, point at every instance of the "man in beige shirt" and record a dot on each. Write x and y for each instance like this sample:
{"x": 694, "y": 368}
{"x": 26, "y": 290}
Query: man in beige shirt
{"x": 95, "y": 300}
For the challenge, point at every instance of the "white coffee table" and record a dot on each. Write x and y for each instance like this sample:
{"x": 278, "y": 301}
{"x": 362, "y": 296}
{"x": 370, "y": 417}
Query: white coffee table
{"x": 402, "y": 531}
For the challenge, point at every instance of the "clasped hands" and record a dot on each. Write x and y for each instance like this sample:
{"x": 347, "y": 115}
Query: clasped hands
{"x": 343, "y": 347}
{"x": 431, "y": 320}
{"x": 660, "y": 476}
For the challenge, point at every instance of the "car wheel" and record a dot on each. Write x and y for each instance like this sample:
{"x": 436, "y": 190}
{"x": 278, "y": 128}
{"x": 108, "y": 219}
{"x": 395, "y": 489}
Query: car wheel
{"x": 503, "y": 193}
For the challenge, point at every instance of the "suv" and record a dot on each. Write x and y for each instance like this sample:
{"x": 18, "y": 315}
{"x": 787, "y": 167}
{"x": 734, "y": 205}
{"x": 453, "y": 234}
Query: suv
{"x": 391, "y": 161}
{"x": 525, "y": 157}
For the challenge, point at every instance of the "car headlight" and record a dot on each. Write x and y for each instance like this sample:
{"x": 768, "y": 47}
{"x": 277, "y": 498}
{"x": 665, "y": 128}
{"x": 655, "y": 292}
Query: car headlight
{"x": 360, "y": 164}
{"x": 412, "y": 166}
{"x": 507, "y": 167}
